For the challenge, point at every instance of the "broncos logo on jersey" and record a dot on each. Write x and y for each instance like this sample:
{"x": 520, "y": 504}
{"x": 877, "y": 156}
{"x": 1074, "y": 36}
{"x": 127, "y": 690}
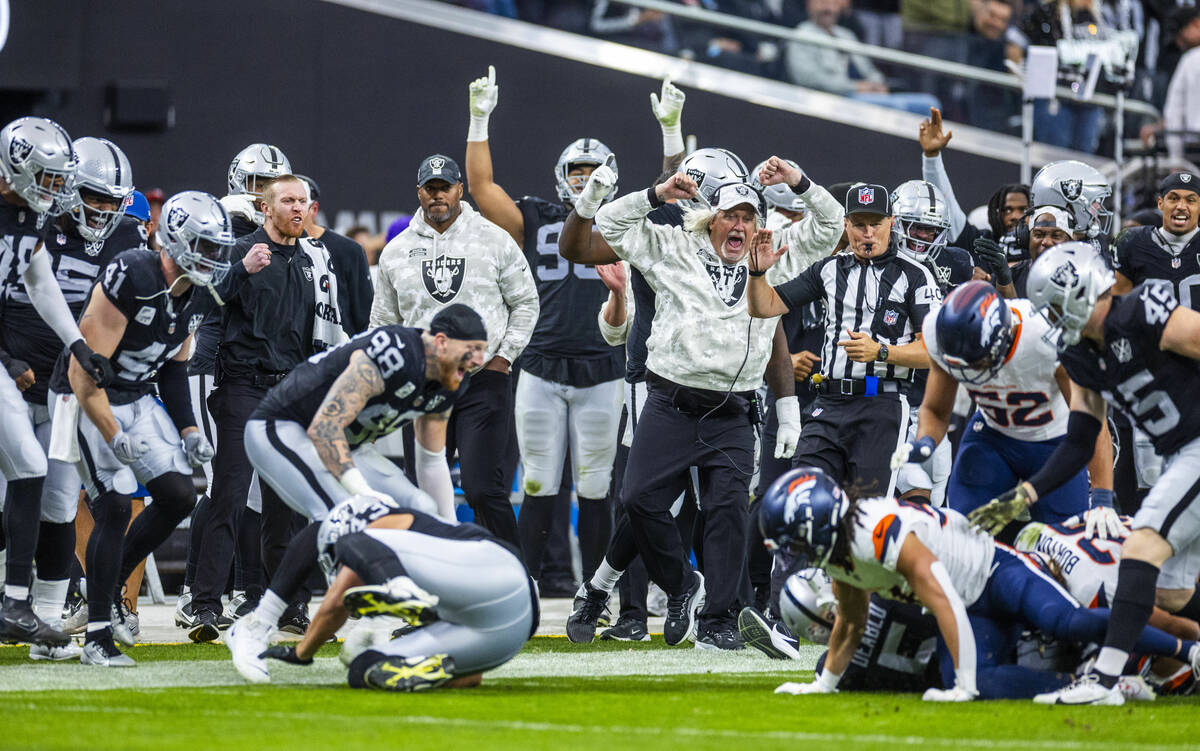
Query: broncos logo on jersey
{"x": 443, "y": 277}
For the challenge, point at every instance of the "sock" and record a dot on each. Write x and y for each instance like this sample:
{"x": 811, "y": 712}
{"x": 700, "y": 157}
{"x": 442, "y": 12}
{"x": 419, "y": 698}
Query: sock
{"x": 55, "y": 550}
{"x": 15, "y": 592}
{"x": 295, "y": 566}
{"x": 98, "y": 631}
{"x": 49, "y": 596}
{"x": 595, "y": 530}
{"x": 605, "y": 577}
{"x": 373, "y": 561}
{"x": 111, "y": 512}
{"x": 533, "y": 529}
{"x": 22, "y": 514}
{"x": 1191, "y": 609}
{"x": 270, "y": 607}
{"x": 1132, "y": 604}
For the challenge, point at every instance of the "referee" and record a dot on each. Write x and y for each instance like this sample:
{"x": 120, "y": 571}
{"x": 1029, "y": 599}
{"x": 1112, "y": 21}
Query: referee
{"x": 875, "y": 300}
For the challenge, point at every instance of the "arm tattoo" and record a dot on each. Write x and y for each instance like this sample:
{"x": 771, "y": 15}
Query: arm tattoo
{"x": 359, "y": 382}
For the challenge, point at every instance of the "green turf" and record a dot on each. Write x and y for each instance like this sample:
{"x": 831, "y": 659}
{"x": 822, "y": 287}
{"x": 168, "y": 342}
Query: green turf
{"x": 701, "y": 710}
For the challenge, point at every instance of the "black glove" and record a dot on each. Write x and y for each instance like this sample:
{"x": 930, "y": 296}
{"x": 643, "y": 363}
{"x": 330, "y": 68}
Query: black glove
{"x": 993, "y": 260}
{"x": 15, "y": 368}
{"x": 98, "y": 368}
{"x": 284, "y": 654}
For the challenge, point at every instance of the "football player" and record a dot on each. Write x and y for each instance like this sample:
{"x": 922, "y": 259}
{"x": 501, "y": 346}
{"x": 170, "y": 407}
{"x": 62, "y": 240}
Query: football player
{"x": 37, "y": 175}
{"x": 1140, "y": 351}
{"x": 1081, "y": 191}
{"x": 1170, "y": 252}
{"x": 999, "y": 350}
{"x": 142, "y": 315}
{"x": 569, "y": 391}
{"x": 466, "y": 595}
{"x": 906, "y": 550}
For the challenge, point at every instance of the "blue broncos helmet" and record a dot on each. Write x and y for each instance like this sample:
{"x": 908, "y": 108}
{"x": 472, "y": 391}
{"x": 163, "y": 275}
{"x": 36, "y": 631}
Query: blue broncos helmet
{"x": 974, "y": 332}
{"x": 801, "y": 511}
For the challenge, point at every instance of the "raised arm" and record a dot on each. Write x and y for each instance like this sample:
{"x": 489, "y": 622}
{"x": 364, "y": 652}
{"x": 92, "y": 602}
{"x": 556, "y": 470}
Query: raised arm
{"x": 668, "y": 111}
{"x": 493, "y": 202}
{"x": 933, "y": 139}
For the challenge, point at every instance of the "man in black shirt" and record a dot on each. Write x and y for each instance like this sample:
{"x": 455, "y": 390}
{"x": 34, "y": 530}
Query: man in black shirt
{"x": 1170, "y": 252}
{"x": 355, "y": 291}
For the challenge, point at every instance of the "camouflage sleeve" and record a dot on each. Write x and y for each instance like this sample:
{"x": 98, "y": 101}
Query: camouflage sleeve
{"x": 521, "y": 297}
{"x": 385, "y": 309}
{"x": 632, "y": 236}
{"x": 813, "y": 237}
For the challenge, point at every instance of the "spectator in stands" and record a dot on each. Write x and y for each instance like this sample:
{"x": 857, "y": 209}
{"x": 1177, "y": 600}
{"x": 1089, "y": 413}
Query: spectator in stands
{"x": 648, "y": 29}
{"x": 938, "y": 28}
{"x": 988, "y": 47}
{"x": 880, "y": 22}
{"x": 1181, "y": 105}
{"x": 725, "y": 47}
{"x": 839, "y": 72}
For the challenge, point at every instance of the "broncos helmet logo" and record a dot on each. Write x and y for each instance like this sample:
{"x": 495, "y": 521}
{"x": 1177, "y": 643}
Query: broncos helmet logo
{"x": 19, "y": 150}
{"x": 1071, "y": 189}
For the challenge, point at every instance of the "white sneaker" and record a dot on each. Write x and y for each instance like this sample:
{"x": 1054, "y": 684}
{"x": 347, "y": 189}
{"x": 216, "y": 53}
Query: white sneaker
{"x": 656, "y": 600}
{"x": 247, "y": 638}
{"x": 75, "y": 619}
{"x": 237, "y": 602}
{"x": 1135, "y": 688}
{"x": 1086, "y": 689}
{"x": 184, "y": 617}
{"x": 104, "y": 654}
{"x": 57, "y": 654}
{"x": 360, "y": 640}
{"x": 121, "y": 627}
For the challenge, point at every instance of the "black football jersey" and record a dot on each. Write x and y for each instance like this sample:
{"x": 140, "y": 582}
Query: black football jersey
{"x": 76, "y": 264}
{"x": 896, "y": 652}
{"x": 1143, "y": 253}
{"x": 399, "y": 354}
{"x": 566, "y": 346}
{"x": 1154, "y": 388}
{"x": 19, "y": 235}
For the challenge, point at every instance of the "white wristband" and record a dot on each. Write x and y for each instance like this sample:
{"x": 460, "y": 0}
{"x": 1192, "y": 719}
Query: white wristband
{"x": 354, "y": 483}
{"x": 828, "y": 680}
{"x": 478, "y": 129}
{"x": 672, "y": 139}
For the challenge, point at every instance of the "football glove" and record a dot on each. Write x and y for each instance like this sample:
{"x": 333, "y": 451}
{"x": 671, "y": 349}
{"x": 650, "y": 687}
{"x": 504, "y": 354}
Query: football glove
{"x": 1102, "y": 520}
{"x": 483, "y": 94}
{"x": 600, "y": 183}
{"x": 667, "y": 110}
{"x": 818, "y": 686}
{"x": 949, "y": 694}
{"x": 992, "y": 259}
{"x": 284, "y": 654}
{"x": 914, "y": 452}
{"x": 197, "y": 449}
{"x": 997, "y": 513}
{"x": 787, "y": 409}
{"x": 98, "y": 368}
{"x": 126, "y": 448}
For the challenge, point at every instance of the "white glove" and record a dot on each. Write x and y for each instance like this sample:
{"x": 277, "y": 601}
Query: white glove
{"x": 787, "y": 409}
{"x": 197, "y": 449}
{"x": 126, "y": 448}
{"x": 600, "y": 183}
{"x": 484, "y": 93}
{"x": 914, "y": 451}
{"x": 1103, "y": 522}
{"x": 355, "y": 484}
{"x": 949, "y": 694}
{"x": 667, "y": 110}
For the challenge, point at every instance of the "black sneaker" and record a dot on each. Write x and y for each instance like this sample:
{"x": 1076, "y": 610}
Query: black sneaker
{"x": 718, "y": 635}
{"x": 590, "y": 603}
{"x": 295, "y": 619}
{"x": 681, "y": 612}
{"x": 771, "y": 638}
{"x": 18, "y": 623}
{"x": 205, "y": 628}
{"x": 223, "y": 621}
{"x": 626, "y": 629}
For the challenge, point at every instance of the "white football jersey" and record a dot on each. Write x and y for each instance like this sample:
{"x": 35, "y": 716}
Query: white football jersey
{"x": 1089, "y": 566}
{"x": 1022, "y": 400}
{"x": 884, "y": 524}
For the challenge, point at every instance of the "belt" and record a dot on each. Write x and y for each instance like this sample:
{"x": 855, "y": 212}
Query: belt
{"x": 694, "y": 401}
{"x": 260, "y": 380}
{"x": 869, "y": 386}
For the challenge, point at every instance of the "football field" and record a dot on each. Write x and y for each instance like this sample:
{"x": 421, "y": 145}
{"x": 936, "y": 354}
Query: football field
{"x": 554, "y": 695}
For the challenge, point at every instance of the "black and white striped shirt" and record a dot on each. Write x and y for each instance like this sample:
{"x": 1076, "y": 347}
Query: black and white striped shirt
{"x": 886, "y": 298}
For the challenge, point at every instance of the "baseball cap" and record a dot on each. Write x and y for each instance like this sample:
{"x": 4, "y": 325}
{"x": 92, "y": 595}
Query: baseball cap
{"x": 1062, "y": 219}
{"x": 139, "y": 207}
{"x": 1179, "y": 181}
{"x": 735, "y": 194}
{"x": 439, "y": 167}
{"x": 457, "y": 321}
{"x": 868, "y": 198}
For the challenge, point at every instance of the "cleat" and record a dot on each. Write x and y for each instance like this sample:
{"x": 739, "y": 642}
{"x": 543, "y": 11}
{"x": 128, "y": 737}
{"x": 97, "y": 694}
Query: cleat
{"x": 185, "y": 617}
{"x": 18, "y": 623}
{"x": 205, "y": 628}
{"x": 1086, "y": 689}
{"x": 400, "y": 597}
{"x": 102, "y": 652}
{"x": 122, "y": 624}
{"x": 681, "y": 612}
{"x": 773, "y": 640}
{"x": 239, "y": 606}
{"x": 75, "y": 619}
{"x": 1135, "y": 688}
{"x": 412, "y": 674}
{"x": 223, "y": 622}
{"x": 248, "y": 638}
{"x": 718, "y": 635}
{"x": 39, "y": 652}
{"x": 590, "y": 604}
{"x": 295, "y": 619}
{"x": 626, "y": 629}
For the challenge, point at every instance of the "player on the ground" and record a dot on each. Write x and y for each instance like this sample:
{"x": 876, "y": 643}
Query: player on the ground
{"x": 1140, "y": 351}
{"x": 1170, "y": 252}
{"x": 998, "y": 349}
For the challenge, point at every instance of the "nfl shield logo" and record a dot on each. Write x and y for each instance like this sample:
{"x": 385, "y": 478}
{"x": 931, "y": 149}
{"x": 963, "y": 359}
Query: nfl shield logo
{"x": 443, "y": 277}
{"x": 890, "y": 317}
{"x": 866, "y": 195}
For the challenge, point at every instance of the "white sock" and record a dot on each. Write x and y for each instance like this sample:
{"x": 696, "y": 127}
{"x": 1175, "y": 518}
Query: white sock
{"x": 17, "y": 593}
{"x": 49, "y": 597}
{"x": 270, "y": 608}
{"x": 1111, "y": 661}
{"x": 606, "y": 576}
{"x": 98, "y": 626}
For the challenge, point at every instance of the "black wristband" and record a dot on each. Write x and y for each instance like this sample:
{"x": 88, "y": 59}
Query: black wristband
{"x": 1072, "y": 454}
{"x": 175, "y": 395}
{"x": 802, "y": 186}
{"x": 757, "y": 273}
{"x": 655, "y": 201}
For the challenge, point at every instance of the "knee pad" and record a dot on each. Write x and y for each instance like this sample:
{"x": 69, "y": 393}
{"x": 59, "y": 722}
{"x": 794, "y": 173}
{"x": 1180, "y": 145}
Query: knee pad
{"x": 356, "y": 674}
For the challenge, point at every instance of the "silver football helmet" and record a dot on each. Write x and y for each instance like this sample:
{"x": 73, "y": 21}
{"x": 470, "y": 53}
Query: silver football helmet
{"x": 103, "y": 172}
{"x": 1080, "y": 189}
{"x": 195, "y": 231}
{"x": 711, "y": 168}
{"x": 38, "y": 163}
{"x": 581, "y": 151}
{"x": 922, "y": 223}
{"x": 778, "y": 196}
{"x": 252, "y": 168}
{"x": 807, "y": 605}
{"x": 1064, "y": 284}
{"x": 350, "y": 516}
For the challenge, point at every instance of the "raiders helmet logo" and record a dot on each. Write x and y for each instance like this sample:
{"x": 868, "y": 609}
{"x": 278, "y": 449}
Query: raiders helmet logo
{"x": 1065, "y": 276}
{"x": 19, "y": 150}
{"x": 308, "y": 273}
{"x": 443, "y": 277}
{"x": 866, "y": 195}
{"x": 176, "y": 218}
{"x": 1071, "y": 189}
{"x": 728, "y": 281}
{"x": 436, "y": 165}
{"x": 696, "y": 175}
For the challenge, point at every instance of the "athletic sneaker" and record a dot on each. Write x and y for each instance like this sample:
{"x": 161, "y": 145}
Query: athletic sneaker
{"x": 100, "y": 650}
{"x": 248, "y": 638}
{"x": 18, "y": 623}
{"x": 1135, "y": 688}
{"x": 718, "y": 634}
{"x": 590, "y": 603}
{"x": 1086, "y": 689}
{"x": 626, "y": 629}
{"x": 772, "y": 639}
{"x": 295, "y": 619}
{"x": 400, "y": 597}
{"x": 69, "y": 651}
{"x": 184, "y": 616}
{"x": 682, "y": 610}
{"x": 238, "y": 606}
{"x": 125, "y": 624}
{"x": 205, "y": 627}
{"x": 412, "y": 674}
{"x": 656, "y": 601}
{"x": 75, "y": 617}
